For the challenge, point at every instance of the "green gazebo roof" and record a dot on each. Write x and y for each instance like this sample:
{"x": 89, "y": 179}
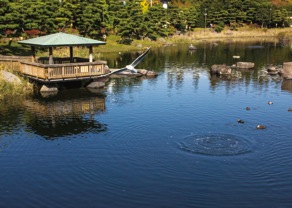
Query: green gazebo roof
{"x": 61, "y": 39}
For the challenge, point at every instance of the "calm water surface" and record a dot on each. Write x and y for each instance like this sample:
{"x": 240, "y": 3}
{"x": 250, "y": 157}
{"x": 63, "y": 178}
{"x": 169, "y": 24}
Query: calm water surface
{"x": 171, "y": 141}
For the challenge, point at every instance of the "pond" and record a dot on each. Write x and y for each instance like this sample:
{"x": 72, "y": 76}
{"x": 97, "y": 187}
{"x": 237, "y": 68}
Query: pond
{"x": 169, "y": 141}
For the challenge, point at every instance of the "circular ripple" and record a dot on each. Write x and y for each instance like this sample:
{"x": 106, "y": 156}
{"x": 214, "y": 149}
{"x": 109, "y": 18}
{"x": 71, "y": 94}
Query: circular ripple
{"x": 215, "y": 145}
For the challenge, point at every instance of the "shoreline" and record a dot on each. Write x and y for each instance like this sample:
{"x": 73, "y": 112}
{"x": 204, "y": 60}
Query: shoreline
{"x": 196, "y": 36}
{"x": 199, "y": 35}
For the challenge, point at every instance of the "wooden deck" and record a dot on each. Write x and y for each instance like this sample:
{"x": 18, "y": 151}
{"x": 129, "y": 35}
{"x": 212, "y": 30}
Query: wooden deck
{"x": 63, "y": 70}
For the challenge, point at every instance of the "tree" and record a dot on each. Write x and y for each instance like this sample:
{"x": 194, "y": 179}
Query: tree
{"x": 158, "y": 22}
{"x": 92, "y": 17}
{"x": 9, "y": 22}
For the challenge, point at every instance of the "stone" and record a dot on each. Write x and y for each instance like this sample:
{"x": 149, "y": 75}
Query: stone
{"x": 147, "y": 39}
{"x": 9, "y": 77}
{"x": 48, "y": 88}
{"x": 220, "y": 70}
{"x": 96, "y": 85}
{"x": 143, "y": 71}
{"x": 272, "y": 70}
{"x": 102, "y": 79}
{"x": 151, "y": 74}
{"x": 106, "y": 69}
{"x": 161, "y": 40}
{"x": 245, "y": 65}
{"x": 286, "y": 72}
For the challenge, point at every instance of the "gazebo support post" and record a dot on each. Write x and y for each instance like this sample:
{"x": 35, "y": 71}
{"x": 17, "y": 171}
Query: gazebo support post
{"x": 51, "y": 55}
{"x": 33, "y": 54}
{"x": 90, "y": 54}
{"x": 71, "y": 55}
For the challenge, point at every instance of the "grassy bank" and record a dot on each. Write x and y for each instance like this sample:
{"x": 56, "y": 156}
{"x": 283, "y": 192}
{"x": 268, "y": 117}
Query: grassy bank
{"x": 198, "y": 35}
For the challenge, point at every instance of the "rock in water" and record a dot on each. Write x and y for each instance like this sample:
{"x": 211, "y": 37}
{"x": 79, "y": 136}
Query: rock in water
{"x": 47, "y": 88}
{"x": 143, "y": 71}
{"x": 152, "y": 74}
{"x": 245, "y": 65}
{"x": 220, "y": 70}
{"x": 286, "y": 72}
{"x": 96, "y": 85}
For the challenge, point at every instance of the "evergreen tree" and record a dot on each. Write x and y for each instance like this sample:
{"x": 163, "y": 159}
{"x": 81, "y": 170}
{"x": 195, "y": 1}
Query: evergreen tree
{"x": 9, "y": 19}
{"x": 92, "y": 17}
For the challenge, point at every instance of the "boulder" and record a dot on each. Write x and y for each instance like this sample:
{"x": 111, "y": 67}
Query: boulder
{"x": 161, "y": 40}
{"x": 245, "y": 65}
{"x": 96, "y": 85}
{"x": 151, "y": 74}
{"x": 286, "y": 72}
{"x": 147, "y": 73}
{"x": 102, "y": 79}
{"x": 220, "y": 70}
{"x": 48, "y": 88}
{"x": 106, "y": 69}
{"x": 272, "y": 70}
{"x": 9, "y": 77}
{"x": 143, "y": 71}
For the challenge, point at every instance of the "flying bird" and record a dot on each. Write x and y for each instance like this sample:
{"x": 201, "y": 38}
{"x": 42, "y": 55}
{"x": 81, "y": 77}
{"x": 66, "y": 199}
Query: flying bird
{"x": 131, "y": 67}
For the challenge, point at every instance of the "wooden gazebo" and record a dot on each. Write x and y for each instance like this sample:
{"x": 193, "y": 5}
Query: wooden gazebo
{"x": 55, "y": 69}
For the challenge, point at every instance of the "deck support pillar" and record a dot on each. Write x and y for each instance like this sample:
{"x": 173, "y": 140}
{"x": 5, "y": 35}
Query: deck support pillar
{"x": 33, "y": 54}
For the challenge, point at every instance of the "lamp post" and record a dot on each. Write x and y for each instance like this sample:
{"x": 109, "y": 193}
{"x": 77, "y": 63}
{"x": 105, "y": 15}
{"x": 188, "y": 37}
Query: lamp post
{"x": 205, "y": 14}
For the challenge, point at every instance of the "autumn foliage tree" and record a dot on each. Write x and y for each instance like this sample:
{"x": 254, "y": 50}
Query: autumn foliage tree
{"x": 136, "y": 19}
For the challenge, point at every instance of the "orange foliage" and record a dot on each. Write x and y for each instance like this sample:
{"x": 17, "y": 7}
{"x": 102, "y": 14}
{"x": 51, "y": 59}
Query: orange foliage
{"x": 281, "y": 2}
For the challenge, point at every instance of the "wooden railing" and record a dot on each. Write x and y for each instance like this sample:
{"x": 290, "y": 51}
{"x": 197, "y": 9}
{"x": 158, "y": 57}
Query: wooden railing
{"x": 55, "y": 72}
{"x": 13, "y": 62}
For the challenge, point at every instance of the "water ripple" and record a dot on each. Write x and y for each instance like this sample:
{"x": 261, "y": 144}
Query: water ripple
{"x": 215, "y": 145}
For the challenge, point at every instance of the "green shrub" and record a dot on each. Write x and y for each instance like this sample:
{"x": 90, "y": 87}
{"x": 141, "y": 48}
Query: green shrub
{"x": 126, "y": 41}
{"x": 152, "y": 37}
{"x": 218, "y": 28}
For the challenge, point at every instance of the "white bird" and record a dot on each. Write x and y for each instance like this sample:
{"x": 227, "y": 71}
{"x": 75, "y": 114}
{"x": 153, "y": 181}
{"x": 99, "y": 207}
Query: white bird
{"x": 131, "y": 67}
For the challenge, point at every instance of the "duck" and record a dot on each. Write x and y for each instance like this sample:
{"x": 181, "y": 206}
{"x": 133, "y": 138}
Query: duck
{"x": 290, "y": 109}
{"x": 270, "y": 102}
{"x": 247, "y": 108}
{"x": 240, "y": 121}
{"x": 261, "y": 127}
